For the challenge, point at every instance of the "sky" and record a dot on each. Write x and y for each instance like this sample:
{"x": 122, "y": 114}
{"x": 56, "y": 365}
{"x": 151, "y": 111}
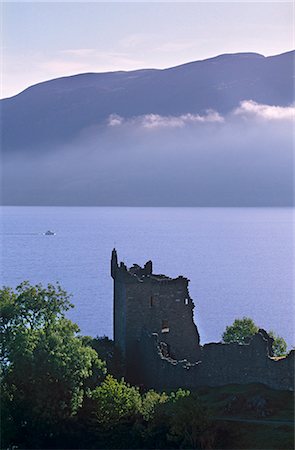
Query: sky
{"x": 41, "y": 41}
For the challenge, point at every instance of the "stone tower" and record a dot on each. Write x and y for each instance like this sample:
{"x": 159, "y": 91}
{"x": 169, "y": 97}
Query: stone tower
{"x": 148, "y": 303}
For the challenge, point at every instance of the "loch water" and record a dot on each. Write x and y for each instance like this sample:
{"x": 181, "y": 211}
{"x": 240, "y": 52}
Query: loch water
{"x": 239, "y": 260}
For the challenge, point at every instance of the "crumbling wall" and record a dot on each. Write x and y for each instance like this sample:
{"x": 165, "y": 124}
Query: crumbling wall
{"x": 155, "y": 303}
{"x": 155, "y": 331}
{"x": 219, "y": 364}
{"x": 120, "y": 316}
{"x": 163, "y": 307}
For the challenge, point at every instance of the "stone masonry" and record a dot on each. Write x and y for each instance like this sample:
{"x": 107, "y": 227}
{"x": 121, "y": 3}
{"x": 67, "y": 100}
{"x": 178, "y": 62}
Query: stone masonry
{"x": 160, "y": 344}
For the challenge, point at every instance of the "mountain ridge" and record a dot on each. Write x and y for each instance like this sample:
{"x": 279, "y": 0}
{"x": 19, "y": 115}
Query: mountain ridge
{"x": 199, "y": 134}
{"x": 56, "y": 111}
{"x": 216, "y": 58}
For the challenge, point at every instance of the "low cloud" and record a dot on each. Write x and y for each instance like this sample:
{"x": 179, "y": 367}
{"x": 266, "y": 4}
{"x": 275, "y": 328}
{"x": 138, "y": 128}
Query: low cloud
{"x": 247, "y": 109}
{"x": 155, "y": 121}
{"x": 250, "y": 109}
{"x": 115, "y": 120}
{"x": 156, "y": 160}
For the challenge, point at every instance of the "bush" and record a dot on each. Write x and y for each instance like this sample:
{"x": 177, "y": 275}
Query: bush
{"x": 115, "y": 402}
{"x": 279, "y": 346}
{"x": 242, "y": 329}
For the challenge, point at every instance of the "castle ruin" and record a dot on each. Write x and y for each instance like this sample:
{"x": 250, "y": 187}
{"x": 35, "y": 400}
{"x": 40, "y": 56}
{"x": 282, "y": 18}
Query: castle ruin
{"x": 160, "y": 344}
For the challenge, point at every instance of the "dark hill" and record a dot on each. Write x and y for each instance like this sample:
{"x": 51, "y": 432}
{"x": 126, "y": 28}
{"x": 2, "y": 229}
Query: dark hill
{"x": 56, "y": 111}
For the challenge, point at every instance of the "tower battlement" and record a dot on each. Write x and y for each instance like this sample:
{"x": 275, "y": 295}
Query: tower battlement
{"x": 137, "y": 273}
{"x": 153, "y": 303}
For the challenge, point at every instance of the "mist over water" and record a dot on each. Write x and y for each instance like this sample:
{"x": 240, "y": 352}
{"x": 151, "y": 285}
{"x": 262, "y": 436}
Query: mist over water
{"x": 242, "y": 159}
{"x": 239, "y": 260}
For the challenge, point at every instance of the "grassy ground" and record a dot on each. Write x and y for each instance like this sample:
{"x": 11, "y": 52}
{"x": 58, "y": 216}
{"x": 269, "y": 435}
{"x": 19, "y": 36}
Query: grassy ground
{"x": 258, "y": 437}
{"x": 252, "y": 416}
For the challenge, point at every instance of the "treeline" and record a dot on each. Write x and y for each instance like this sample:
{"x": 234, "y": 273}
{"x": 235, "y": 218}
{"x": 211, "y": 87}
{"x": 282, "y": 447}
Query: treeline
{"x": 63, "y": 390}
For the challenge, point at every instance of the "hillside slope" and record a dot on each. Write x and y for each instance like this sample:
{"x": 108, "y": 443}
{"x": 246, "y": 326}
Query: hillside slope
{"x": 57, "y": 110}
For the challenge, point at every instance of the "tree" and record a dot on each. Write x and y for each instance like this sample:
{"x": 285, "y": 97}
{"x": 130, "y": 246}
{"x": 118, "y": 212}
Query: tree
{"x": 242, "y": 329}
{"x": 180, "y": 419}
{"x": 150, "y": 400}
{"x": 25, "y": 312}
{"x": 125, "y": 418}
{"x": 44, "y": 364}
{"x": 115, "y": 402}
{"x": 109, "y": 353}
{"x": 279, "y": 346}
{"x": 191, "y": 424}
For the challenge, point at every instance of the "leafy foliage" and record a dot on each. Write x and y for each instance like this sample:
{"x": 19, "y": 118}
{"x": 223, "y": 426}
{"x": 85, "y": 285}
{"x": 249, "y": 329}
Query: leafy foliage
{"x": 107, "y": 351}
{"x": 190, "y": 423}
{"x": 27, "y": 310}
{"x": 56, "y": 392}
{"x": 44, "y": 364}
{"x": 150, "y": 400}
{"x": 242, "y": 329}
{"x": 181, "y": 421}
{"x": 116, "y": 401}
{"x": 279, "y": 346}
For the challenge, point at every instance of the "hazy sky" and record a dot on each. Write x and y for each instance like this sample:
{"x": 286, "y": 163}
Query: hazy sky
{"x": 47, "y": 40}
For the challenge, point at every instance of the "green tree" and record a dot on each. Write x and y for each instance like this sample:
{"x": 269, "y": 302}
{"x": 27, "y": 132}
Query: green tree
{"x": 44, "y": 364}
{"x": 115, "y": 402}
{"x": 279, "y": 346}
{"x": 190, "y": 423}
{"x": 150, "y": 400}
{"x": 26, "y": 311}
{"x": 180, "y": 420}
{"x": 242, "y": 329}
{"x": 109, "y": 353}
{"x": 125, "y": 418}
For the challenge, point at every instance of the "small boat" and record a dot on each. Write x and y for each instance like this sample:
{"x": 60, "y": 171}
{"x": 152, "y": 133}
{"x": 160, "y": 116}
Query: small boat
{"x": 49, "y": 233}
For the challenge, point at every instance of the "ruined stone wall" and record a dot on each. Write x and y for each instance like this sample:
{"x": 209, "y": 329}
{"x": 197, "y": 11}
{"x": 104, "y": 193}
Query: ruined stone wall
{"x": 220, "y": 364}
{"x": 163, "y": 307}
{"x": 250, "y": 363}
{"x": 120, "y": 316}
{"x": 155, "y": 331}
{"x": 153, "y": 303}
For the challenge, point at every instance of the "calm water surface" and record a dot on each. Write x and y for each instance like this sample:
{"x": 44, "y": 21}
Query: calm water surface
{"x": 239, "y": 260}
